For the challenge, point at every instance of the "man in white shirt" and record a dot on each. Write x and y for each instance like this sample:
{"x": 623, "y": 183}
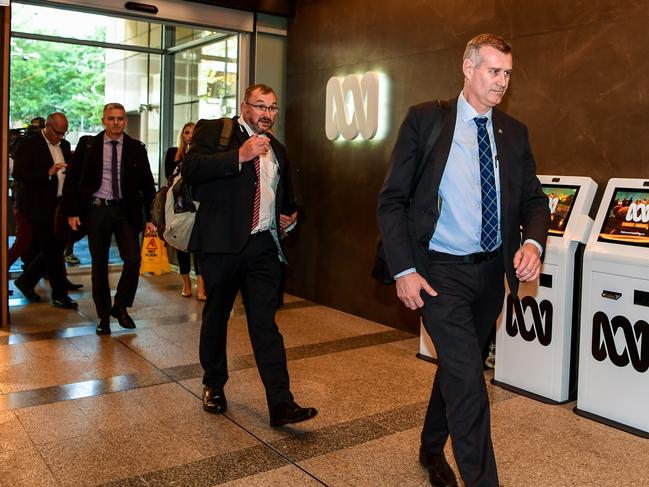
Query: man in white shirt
{"x": 38, "y": 168}
{"x": 247, "y": 201}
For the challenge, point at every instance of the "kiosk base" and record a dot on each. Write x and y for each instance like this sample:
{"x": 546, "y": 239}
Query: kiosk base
{"x": 529, "y": 394}
{"x": 610, "y": 422}
{"x": 426, "y": 358}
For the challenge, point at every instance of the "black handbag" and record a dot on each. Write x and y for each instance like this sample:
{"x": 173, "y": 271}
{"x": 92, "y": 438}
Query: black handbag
{"x": 380, "y": 270}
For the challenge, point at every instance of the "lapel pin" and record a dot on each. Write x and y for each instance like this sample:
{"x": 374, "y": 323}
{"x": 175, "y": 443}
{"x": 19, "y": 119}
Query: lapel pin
{"x": 500, "y": 131}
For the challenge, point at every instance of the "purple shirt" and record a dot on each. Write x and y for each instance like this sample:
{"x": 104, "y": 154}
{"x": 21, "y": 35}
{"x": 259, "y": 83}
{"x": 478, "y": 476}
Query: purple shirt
{"x": 105, "y": 191}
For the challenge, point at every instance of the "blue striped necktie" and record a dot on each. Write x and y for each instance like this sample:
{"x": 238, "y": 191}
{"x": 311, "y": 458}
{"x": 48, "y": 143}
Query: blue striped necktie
{"x": 489, "y": 234}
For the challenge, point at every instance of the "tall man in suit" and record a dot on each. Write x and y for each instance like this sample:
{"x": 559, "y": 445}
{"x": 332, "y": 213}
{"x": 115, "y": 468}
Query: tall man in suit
{"x": 449, "y": 246}
{"x": 246, "y": 202}
{"x": 39, "y": 163}
{"x": 108, "y": 186}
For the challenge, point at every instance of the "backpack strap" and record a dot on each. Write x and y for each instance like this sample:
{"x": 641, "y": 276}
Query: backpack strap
{"x": 441, "y": 112}
{"x": 226, "y": 132}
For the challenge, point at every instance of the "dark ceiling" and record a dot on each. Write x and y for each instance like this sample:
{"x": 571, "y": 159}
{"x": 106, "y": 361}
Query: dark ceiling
{"x": 284, "y": 8}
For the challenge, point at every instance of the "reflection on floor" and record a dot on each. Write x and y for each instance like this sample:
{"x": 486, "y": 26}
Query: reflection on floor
{"x": 124, "y": 410}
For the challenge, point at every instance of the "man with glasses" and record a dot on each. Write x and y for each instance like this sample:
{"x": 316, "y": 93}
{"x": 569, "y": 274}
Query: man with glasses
{"x": 247, "y": 202}
{"x": 39, "y": 164}
{"x": 108, "y": 187}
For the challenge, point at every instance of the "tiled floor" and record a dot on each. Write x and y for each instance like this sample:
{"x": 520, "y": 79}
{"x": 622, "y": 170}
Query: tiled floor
{"x": 124, "y": 410}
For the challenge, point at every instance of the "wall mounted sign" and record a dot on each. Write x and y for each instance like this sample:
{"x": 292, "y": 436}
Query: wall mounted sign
{"x": 352, "y": 106}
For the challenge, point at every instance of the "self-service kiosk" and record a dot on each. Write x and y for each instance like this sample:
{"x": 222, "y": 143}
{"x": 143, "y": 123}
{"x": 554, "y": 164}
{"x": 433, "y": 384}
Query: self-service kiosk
{"x": 534, "y": 340}
{"x": 614, "y": 337}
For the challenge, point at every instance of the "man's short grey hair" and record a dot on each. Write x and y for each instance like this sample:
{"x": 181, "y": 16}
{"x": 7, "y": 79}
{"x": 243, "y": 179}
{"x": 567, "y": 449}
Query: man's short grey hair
{"x": 472, "y": 50}
{"x": 113, "y": 106}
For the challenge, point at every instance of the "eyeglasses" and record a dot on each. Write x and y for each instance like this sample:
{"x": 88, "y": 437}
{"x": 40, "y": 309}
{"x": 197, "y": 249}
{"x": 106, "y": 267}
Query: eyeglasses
{"x": 264, "y": 108}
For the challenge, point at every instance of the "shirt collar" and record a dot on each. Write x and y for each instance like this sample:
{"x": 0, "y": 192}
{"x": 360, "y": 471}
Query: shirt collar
{"x": 48, "y": 142}
{"x": 246, "y": 127}
{"x": 467, "y": 113}
{"x": 120, "y": 139}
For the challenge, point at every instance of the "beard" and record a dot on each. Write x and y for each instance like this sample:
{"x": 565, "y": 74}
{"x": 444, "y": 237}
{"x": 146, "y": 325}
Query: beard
{"x": 268, "y": 123}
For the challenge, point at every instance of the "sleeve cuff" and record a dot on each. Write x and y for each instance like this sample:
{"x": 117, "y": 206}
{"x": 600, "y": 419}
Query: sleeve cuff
{"x": 403, "y": 273}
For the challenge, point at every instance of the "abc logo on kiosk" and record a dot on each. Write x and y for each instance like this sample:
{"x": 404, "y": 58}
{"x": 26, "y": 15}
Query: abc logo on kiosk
{"x": 541, "y": 326}
{"x": 634, "y": 350}
{"x": 352, "y": 106}
{"x": 637, "y": 212}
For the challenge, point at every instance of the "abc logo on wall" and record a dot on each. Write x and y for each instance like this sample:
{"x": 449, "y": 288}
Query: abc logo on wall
{"x": 352, "y": 106}
{"x": 541, "y": 326}
{"x": 620, "y": 341}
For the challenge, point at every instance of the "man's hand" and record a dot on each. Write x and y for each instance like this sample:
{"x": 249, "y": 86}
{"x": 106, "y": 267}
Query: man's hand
{"x": 56, "y": 167}
{"x": 255, "y": 146}
{"x": 149, "y": 228}
{"x": 285, "y": 221}
{"x": 409, "y": 290}
{"x": 527, "y": 263}
{"x": 74, "y": 222}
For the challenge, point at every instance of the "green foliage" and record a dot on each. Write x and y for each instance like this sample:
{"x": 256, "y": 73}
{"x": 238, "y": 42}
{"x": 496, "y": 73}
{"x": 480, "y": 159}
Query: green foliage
{"x": 48, "y": 77}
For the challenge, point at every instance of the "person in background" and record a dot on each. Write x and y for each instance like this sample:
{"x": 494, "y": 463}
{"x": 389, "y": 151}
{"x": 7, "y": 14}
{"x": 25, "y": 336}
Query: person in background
{"x": 174, "y": 157}
{"x": 40, "y": 161}
{"x": 108, "y": 189}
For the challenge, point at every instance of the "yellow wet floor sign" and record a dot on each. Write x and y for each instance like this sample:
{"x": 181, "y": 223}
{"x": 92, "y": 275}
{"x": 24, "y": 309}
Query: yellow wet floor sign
{"x": 154, "y": 256}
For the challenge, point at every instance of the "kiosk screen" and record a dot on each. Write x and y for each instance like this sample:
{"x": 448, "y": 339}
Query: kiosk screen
{"x": 561, "y": 199}
{"x": 627, "y": 219}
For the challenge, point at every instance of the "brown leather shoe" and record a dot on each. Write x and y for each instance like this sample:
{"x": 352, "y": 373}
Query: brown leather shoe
{"x": 214, "y": 400}
{"x": 440, "y": 472}
{"x": 123, "y": 318}
{"x": 290, "y": 412}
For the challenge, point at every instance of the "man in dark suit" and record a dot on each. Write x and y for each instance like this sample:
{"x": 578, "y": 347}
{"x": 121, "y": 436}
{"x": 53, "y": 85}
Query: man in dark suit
{"x": 449, "y": 246}
{"x": 40, "y": 161}
{"x": 108, "y": 186}
{"x": 246, "y": 202}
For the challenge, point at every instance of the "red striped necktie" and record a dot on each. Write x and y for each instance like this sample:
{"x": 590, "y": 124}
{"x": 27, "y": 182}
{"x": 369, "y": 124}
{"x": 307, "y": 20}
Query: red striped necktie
{"x": 257, "y": 205}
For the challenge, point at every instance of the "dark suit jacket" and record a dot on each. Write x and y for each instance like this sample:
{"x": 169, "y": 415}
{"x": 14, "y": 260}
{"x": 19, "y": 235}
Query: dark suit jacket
{"x": 36, "y": 197}
{"x": 84, "y": 179}
{"x": 225, "y": 192}
{"x": 170, "y": 161}
{"x": 407, "y": 227}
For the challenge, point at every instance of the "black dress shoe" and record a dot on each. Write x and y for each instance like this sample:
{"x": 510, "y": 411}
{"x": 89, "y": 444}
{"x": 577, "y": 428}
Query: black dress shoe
{"x": 65, "y": 302}
{"x": 290, "y": 412}
{"x": 123, "y": 318}
{"x": 440, "y": 472}
{"x": 30, "y": 294}
{"x": 214, "y": 400}
{"x": 70, "y": 286}
{"x": 103, "y": 327}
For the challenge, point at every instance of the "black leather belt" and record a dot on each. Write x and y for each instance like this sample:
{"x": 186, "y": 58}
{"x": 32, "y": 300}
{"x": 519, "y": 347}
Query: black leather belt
{"x": 103, "y": 202}
{"x": 442, "y": 258}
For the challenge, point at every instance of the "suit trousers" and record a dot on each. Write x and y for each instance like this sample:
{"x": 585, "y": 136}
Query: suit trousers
{"x": 48, "y": 260}
{"x": 102, "y": 222}
{"x": 255, "y": 272}
{"x": 459, "y": 320}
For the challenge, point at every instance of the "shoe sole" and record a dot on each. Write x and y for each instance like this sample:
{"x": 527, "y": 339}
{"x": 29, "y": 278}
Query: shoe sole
{"x": 214, "y": 410}
{"x": 299, "y": 419}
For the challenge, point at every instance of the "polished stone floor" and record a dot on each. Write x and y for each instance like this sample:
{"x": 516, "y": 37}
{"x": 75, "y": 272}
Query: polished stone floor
{"x": 124, "y": 410}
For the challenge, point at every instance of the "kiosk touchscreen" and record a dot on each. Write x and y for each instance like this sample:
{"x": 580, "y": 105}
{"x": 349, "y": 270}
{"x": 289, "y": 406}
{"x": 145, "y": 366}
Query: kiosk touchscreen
{"x": 614, "y": 337}
{"x": 534, "y": 337}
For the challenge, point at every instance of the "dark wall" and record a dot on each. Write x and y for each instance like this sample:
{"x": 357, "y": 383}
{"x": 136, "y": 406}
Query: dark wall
{"x": 579, "y": 83}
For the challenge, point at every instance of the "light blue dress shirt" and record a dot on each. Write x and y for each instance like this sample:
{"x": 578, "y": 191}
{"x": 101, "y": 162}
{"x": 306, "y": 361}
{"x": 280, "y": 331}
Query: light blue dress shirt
{"x": 460, "y": 198}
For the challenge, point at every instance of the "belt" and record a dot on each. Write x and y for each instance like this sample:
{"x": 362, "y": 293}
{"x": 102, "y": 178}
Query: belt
{"x": 477, "y": 258}
{"x": 102, "y": 202}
